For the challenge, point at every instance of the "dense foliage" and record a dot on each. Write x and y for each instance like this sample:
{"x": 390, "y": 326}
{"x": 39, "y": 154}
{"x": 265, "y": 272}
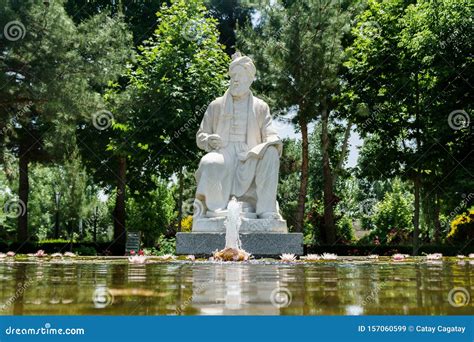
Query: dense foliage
{"x": 100, "y": 101}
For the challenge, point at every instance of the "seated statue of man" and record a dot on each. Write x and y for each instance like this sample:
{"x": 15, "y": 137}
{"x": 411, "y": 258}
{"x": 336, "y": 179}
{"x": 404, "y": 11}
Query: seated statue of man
{"x": 243, "y": 149}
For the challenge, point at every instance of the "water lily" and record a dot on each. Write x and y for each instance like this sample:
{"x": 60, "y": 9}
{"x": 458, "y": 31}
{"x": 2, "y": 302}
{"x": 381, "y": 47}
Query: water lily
{"x": 373, "y": 256}
{"x": 288, "y": 257}
{"x": 132, "y": 252}
{"x": 10, "y": 254}
{"x": 167, "y": 257}
{"x": 328, "y": 256}
{"x": 191, "y": 258}
{"x": 69, "y": 254}
{"x": 137, "y": 259}
{"x": 311, "y": 257}
{"x": 56, "y": 255}
{"x": 399, "y": 257}
{"x": 460, "y": 256}
{"x": 3, "y": 255}
{"x": 434, "y": 256}
{"x": 471, "y": 256}
{"x": 40, "y": 253}
{"x": 140, "y": 252}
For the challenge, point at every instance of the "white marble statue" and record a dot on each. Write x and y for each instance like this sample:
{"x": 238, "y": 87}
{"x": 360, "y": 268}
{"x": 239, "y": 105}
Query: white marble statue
{"x": 243, "y": 149}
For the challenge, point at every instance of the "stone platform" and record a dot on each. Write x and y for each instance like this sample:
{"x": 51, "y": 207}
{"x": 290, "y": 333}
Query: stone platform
{"x": 248, "y": 225}
{"x": 256, "y": 243}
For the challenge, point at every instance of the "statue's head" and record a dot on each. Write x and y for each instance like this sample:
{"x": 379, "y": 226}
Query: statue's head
{"x": 242, "y": 73}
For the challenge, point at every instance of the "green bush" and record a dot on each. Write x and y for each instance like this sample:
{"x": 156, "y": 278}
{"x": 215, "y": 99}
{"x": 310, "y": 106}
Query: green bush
{"x": 152, "y": 212}
{"x": 393, "y": 215}
{"x": 166, "y": 245}
{"x": 85, "y": 250}
{"x": 462, "y": 227}
{"x": 55, "y": 241}
{"x": 345, "y": 230}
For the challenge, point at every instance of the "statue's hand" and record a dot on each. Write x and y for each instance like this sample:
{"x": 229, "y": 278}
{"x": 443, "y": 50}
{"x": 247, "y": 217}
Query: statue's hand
{"x": 215, "y": 141}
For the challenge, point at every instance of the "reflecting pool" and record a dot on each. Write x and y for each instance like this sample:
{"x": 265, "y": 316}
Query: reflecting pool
{"x": 348, "y": 286}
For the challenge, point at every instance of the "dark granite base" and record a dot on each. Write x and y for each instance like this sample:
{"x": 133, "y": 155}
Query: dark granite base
{"x": 258, "y": 244}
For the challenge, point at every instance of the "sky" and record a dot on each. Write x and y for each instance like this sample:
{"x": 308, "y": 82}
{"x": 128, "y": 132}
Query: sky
{"x": 287, "y": 130}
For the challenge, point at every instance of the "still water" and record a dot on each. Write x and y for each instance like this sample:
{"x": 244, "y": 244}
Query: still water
{"x": 344, "y": 287}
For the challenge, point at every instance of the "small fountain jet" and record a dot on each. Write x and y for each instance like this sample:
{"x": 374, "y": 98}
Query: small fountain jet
{"x": 233, "y": 247}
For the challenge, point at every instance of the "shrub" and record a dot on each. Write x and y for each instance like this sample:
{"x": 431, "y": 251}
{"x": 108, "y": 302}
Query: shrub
{"x": 345, "y": 231}
{"x": 47, "y": 241}
{"x": 393, "y": 215}
{"x": 85, "y": 250}
{"x": 166, "y": 245}
{"x": 462, "y": 227}
{"x": 187, "y": 224}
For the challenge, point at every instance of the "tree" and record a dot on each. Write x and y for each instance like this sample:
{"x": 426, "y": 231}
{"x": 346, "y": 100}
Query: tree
{"x": 230, "y": 14}
{"x": 297, "y": 46}
{"x": 140, "y": 16}
{"x": 53, "y": 71}
{"x": 179, "y": 71}
{"x": 406, "y": 87}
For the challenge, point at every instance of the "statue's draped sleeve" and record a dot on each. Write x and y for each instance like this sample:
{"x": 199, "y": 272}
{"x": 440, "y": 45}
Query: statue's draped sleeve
{"x": 205, "y": 129}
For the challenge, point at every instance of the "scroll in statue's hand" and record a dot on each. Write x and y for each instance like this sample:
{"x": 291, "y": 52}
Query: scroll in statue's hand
{"x": 215, "y": 141}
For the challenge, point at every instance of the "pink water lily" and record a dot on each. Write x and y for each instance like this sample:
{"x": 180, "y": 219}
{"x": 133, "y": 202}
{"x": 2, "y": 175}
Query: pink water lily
{"x": 137, "y": 259}
{"x": 434, "y": 256}
{"x": 69, "y": 254}
{"x": 10, "y": 254}
{"x": 288, "y": 257}
{"x": 399, "y": 257}
{"x": 328, "y": 256}
{"x": 40, "y": 253}
{"x": 191, "y": 258}
{"x": 311, "y": 257}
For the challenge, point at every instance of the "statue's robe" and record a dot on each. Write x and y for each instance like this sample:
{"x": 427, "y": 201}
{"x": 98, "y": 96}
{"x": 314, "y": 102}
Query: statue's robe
{"x": 231, "y": 170}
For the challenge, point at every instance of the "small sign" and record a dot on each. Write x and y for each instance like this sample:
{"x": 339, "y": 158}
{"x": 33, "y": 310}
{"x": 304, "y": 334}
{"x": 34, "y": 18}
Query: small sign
{"x": 133, "y": 242}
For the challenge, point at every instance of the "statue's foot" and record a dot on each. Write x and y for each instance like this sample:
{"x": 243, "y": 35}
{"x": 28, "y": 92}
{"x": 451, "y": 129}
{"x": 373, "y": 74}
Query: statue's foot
{"x": 217, "y": 213}
{"x": 271, "y": 215}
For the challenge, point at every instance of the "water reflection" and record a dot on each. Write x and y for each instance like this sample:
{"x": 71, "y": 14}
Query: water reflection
{"x": 234, "y": 289}
{"x": 323, "y": 288}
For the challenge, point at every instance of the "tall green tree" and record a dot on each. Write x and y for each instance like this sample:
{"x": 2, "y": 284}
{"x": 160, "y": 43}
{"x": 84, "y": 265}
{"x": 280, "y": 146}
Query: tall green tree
{"x": 139, "y": 15}
{"x": 52, "y": 72}
{"x": 230, "y": 14}
{"x": 404, "y": 65}
{"x": 177, "y": 73}
{"x": 297, "y": 46}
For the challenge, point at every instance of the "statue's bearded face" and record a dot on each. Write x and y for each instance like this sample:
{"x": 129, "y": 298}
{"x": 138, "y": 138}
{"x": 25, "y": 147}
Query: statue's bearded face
{"x": 240, "y": 81}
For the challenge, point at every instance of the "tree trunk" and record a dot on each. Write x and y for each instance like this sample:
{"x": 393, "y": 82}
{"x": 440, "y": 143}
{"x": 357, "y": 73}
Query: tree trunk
{"x": 300, "y": 211}
{"x": 436, "y": 223}
{"x": 95, "y": 224}
{"x": 330, "y": 232}
{"x": 119, "y": 211}
{"x": 23, "y": 190}
{"x": 416, "y": 214}
{"x": 417, "y": 182}
{"x": 180, "y": 205}
{"x": 345, "y": 146}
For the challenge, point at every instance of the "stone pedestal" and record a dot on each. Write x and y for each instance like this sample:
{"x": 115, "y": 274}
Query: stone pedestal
{"x": 259, "y": 237}
{"x": 258, "y": 244}
{"x": 248, "y": 225}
